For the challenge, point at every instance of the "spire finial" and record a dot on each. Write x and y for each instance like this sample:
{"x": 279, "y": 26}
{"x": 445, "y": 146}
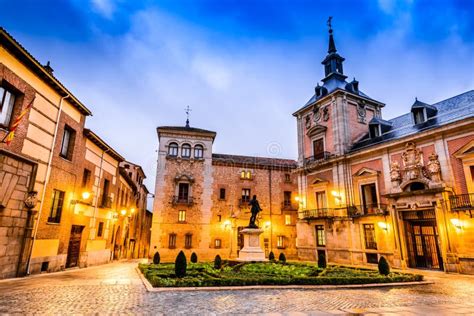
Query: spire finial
{"x": 332, "y": 45}
{"x": 329, "y": 24}
{"x": 187, "y": 110}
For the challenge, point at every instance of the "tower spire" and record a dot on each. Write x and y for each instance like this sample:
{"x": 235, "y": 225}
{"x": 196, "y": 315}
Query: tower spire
{"x": 332, "y": 44}
{"x": 333, "y": 61}
{"x": 187, "y": 110}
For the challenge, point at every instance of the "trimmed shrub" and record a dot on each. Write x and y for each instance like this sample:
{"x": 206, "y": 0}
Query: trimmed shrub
{"x": 217, "y": 262}
{"x": 194, "y": 257}
{"x": 322, "y": 261}
{"x": 271, "y": 256}
{"x": 156, "y": 258}
{"x": 282, "y": 258}
{"x": 180, "y": 265}
{"x": 384, "y": 268}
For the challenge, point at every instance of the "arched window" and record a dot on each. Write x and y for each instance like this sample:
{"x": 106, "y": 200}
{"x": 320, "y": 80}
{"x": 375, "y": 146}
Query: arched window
{"x": 186, "y": 151}
{"x": 198, "y": 151}
{"x": 173, "y": 149}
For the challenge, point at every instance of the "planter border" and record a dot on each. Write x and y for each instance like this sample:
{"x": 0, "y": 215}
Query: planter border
{"x": 150, "y": 287}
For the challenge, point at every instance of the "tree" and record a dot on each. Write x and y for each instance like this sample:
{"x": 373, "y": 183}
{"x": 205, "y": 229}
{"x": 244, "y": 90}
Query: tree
{"x": 271, "y": 256}
{"x": 384, "y": 268}
{"x": 282, "y": 258}
{"x": 194, "y": 258}
{"x": 322, "y": 261}
{"x": 156, "y": 258}
{"x": 180, "y": 265}
{"x": 217, "y": 262}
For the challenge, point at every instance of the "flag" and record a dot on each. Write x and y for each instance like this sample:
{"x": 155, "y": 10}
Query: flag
{"x": 9, "y": 137}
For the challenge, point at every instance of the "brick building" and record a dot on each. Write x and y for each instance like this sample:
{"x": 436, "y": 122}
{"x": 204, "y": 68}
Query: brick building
{"x": 368, "y": 187}
{"x": 58, "y": 180}
{"x": 201, "y": 198}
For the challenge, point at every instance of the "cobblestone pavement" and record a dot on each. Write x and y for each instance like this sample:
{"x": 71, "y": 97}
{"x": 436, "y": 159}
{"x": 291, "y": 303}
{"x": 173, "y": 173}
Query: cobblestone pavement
{"x": 116, "y": 288}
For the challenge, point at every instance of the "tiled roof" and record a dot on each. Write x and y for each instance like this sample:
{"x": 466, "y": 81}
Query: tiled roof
{"x": 186, "y": 129}
{"x": 448, "y": 111}
{"x": 93, "y": 137}
{"x": 253, "y": 161}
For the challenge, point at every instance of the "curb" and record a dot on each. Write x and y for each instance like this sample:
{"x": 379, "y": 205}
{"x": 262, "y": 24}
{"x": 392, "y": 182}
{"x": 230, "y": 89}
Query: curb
{"x": 150, "y": 288}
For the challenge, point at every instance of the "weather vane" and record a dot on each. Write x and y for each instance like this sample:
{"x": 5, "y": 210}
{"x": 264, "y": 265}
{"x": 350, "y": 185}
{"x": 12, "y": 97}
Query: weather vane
{"x": 187, "y": 110}
{"x": 329, "y": 23}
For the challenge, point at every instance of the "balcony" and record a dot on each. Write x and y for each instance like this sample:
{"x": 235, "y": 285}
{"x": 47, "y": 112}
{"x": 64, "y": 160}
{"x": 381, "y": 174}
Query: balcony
{"x": 288, "y": 206}
{"x": 317, "y": 158}
{"x": 244, "y": 203}
{"x": 182, "y": 200}
{"x": 367, "y": 210}
{"x": 463, "y": 202}
{"x": 317, "y": 213}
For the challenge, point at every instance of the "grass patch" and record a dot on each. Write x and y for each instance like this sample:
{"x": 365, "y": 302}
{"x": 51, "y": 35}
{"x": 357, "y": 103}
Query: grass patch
{"x": 266, "y": 273}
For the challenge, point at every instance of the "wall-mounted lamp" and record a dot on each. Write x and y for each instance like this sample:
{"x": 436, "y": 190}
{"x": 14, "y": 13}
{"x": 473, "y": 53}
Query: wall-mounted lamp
{"x": 267, "y": 224}
{"x": 457, "y": 223}
{"x": 85, "y": 195}
{"x": 297, "y": 198}
{"x": 123, "y": 212}
{"x": 383, "y": 225}
{"x": 336, "y": 194}
{"x": 227, "y": 224}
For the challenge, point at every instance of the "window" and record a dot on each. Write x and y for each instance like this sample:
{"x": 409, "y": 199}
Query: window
{"x": 419, "y": 116}
{"x": 321, "y": 201}
{"x": 217, "y": 243}
{"x": 56, "y": 207}
{"x": 318, "y": 148}
{"x": 374, "y": 130}
{"x": 287, "y": 177}
{"x": 245, "y": 195}
{"x": 67, "y": 145}
{"x": 7, "y": 100}
{"x": 369, "y": 234}
{"x": 287, "y": 219}
{"x": 222, "y": 194}
{"x": 173, "y": 150}
{"x": 186, "y": 151}
{"x": 172, "y": 241}
{"x": 86, "y": 177}
{"x": 372, "y": 258}
{"x": 182, "y": 216}
{"x": 280, "y": 241}
{"x": 105, "y": 194}
{"x": 183, "y": 191}
{"x": 320, "y": 236}
{"x": 219, "y": 218}
{"x": 188, "y": 241}
{"x": 287, "y": 198}
{"x": 100, "y": 229}
{"x": 198, "y": 151}
{"x": 246, "y": 174}
{"x": 369, "y": 198}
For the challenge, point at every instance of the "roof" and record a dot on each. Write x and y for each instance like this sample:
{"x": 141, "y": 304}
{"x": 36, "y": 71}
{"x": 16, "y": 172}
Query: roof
{"x": 251, "y": 161}
{"x": 124, "y": 174}
{"x": 454, "y": 109}
{"x": 185, "y": 129}
{"x": 15, "y": 48}
{"x": 93, "y": 137}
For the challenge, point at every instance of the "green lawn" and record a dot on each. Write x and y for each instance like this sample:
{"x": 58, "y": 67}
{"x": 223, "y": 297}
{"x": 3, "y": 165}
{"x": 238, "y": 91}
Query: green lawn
{"x": 266, "y": 273}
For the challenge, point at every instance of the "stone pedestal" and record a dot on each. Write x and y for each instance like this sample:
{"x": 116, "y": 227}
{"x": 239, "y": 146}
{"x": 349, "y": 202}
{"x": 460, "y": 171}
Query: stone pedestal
{"x": 251, "y": 250}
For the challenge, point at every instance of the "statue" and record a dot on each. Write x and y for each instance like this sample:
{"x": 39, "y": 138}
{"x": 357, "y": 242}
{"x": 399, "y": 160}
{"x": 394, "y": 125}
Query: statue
{"x": 254, "y": 210}
{"x": 434, "y": 168}
{"x": 395, "y": 171}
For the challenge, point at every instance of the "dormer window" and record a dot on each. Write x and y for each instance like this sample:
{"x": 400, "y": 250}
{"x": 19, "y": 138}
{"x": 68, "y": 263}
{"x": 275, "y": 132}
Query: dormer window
{"x": 173, "y": 150}
{"x": 374, "y": 130}
{"x": 419, "y": 116}
{"x": 377, "y": 127}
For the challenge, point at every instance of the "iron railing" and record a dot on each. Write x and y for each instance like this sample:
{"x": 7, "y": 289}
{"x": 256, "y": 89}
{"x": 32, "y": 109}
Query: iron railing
{"x": 367, "y": 209}
{"x": 318, "y": 157}
{"x": 462, "y": 202}
{"x": 182, "y": 200}
{"x": 317, "y": 213}
{"x": 244, "y": 202}
{"x": 289, "y": 206}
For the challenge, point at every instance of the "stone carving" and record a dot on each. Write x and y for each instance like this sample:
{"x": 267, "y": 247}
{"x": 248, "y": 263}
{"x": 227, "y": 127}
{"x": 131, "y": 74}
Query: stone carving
{"x": 412, "y": 162}
{"x": 316, "y": 114}
{"x": 307, "y": 121}
{"x": 361, "y": 112}
{"x": 434, "y": 168}
{"x": 31, "y": 200}
{"x": 395, "y": 175}
{"x": 325, "y": 114}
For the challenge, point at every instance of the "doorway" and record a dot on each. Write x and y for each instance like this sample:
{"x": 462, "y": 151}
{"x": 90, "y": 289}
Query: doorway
{"x": 74, "y": 248}
{"x": 422, "y": 240}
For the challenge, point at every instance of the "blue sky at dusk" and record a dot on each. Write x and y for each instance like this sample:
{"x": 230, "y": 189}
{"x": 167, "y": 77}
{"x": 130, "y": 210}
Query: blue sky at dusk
{"x": 243, "y": 66}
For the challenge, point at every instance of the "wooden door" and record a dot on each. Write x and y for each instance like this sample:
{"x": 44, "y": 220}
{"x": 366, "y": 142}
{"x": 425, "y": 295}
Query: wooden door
{"x": 74, "y": 248}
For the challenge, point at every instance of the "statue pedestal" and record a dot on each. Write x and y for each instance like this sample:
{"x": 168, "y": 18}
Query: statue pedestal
{"x": 251, "y": 250}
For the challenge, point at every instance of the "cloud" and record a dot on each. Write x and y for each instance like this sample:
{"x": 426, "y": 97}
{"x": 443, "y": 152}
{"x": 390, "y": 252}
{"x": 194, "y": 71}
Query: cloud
{"x": 105, "y": 8}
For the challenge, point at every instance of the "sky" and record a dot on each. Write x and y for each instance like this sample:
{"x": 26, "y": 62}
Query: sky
{"x": 242, "y": 66}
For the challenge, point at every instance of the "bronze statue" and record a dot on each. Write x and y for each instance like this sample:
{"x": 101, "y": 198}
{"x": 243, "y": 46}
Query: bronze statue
{"x": 254, "y": 210}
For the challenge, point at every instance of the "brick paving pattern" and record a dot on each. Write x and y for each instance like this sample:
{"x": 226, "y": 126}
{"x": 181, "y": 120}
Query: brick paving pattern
{"x": 116, "y": 288}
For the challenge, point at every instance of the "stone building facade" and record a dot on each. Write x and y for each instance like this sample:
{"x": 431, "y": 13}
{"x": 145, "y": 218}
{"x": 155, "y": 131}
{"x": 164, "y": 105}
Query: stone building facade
{"x": 370, "y": 187}
{"x": 201, "y": 198}
{"x": 58, "y": 180}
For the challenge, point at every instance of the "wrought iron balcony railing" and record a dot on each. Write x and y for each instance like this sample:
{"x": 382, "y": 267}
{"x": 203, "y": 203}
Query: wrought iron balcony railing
{"x": 367, "y": 209}
{"x": 317, "y": 213}
{"x": 318, "y": 157}
{"x": 244, "y": 202}
{"x": 462, "y": 202}
{"x": 182, "y": 200}
{"x": 289, "y": 206}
